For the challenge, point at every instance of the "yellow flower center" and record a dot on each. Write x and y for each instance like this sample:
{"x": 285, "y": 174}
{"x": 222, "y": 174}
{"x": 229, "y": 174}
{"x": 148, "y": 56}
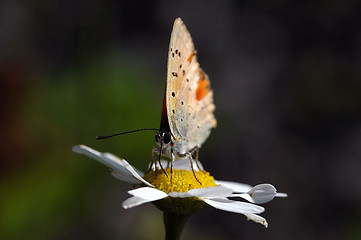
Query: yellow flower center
{"x": 180, "y": 181}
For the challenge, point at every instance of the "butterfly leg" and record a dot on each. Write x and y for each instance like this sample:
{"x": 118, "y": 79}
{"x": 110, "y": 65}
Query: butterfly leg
{"x": 171, "y": 165}
{"x": 196, "y": 151}
{"x": 156, "y": 151}
{"x": 191, "y": 160}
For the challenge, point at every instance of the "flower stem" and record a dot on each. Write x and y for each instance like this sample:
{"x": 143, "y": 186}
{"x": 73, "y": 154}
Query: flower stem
{"x": 174, "y": 225}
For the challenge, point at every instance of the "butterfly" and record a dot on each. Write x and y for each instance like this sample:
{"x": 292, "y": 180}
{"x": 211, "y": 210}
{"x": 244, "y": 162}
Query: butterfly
{"x": 187, "y": 114}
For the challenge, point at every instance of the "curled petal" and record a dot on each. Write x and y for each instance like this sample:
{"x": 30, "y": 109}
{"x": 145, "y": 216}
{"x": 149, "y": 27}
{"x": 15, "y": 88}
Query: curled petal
{"x": 235, "y": 186}
{"x": 257, "y": 219}
{"x": 87, "y": 151}
{"x": 121, "y": 169}
{"x": 259, "y": 194}
{"x": 123, "y": 163}
{"x": 233, "y": 206}
{"x": 262, "y": 193}
{"x": 127, "y": 167}
{"x": 124, "y": 177}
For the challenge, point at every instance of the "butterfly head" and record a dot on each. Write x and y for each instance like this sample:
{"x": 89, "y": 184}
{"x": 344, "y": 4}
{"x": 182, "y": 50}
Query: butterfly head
{"x": 163, "y": 138}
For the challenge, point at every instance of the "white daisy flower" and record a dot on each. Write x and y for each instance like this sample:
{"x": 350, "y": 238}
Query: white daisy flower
{"x": 185, "y": 194}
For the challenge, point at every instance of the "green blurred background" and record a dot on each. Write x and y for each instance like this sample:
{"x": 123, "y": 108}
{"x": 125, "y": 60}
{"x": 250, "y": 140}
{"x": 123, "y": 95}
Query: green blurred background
{"x": 287, "y": 85}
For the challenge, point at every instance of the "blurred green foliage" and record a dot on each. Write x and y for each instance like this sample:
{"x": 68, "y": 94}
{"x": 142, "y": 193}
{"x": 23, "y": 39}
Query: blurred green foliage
{"x": 43, "y": 197}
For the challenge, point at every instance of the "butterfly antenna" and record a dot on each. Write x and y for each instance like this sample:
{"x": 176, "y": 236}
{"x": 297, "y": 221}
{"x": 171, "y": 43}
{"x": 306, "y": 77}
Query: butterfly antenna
{"x": 138, "y": 130}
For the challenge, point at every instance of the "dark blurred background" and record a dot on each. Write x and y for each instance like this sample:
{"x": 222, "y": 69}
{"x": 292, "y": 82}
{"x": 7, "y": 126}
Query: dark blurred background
{"x": 286, "y": 78}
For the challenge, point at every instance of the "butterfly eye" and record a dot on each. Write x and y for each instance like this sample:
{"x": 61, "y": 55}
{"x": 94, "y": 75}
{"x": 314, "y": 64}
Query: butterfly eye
{"x": 166, "y": 137}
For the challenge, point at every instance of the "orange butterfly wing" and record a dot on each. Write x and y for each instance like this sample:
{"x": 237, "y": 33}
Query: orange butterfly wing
{"x": 189, "y": 98}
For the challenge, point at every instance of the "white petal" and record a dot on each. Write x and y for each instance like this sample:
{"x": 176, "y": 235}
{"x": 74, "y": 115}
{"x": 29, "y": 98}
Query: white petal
{"x": 211, "y": 192}
{"x": 180, "y": 194}
{"x": 259, "y": 194}
{"x": 87, "y": 151}
{"x": 148, "y": 193}
{"x": 156, "y": 166}
{"x": 124, "y": 177}
{"x": 180, "y": 164}
{"x": 245, "y": 196}
{"x": 134, "y": 201}
{"x": 185, "y": 164}
{"x": 119, "y": 166}
{"x": 117, "y": 160}
{"x": 143, "y": 195}
{"x": 110, "y": 161}
{"x": 282, "y": 195}
{"x": 128, "y": 167}
{"x": 262, "y": 193}
{"x": 256, "y": 218}
{"x": 235, "y": 186}
{"x": 233, "y": 206}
